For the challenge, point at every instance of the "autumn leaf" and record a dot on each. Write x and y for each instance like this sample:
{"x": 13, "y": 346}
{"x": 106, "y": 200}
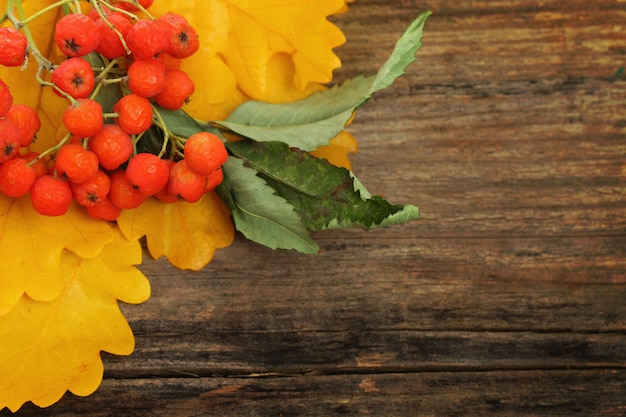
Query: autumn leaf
{"x": 33, "y": 249}
{"x": 248, "y": 46}
{"x": 50, "y": 347}
{"x": 187, "y": 234}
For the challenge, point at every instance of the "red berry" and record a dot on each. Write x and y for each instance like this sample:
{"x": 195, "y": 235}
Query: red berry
{"x": 76, "y": 163}
{"x": 13, "y": 47}
{"x": 6, "y": 98}
{"x": 111, "y": 45}
{"x": 112, "y": 145}
{"x": 84, "y": 119}
{"x": 134, "y": 114}
{"x": 9, "y": 141}
{"x": 104, "y": 210}
{"x": 16, "y": 177}
{"x": 123, "y": 193}
{"x": 214, "y": 179}
{"x": 147, "y": 38}
{"x": 127, "y": 5}
{"x": 51, "y": 196}
{"x": 185, "y": 184}
{"x": 75, "y": 77}
{"x": 40, "y": 165}
{"x": 178, "y": 88}
{"x": 147, "y": 172}
{"x": 76, "y": 34}
{"x": 146, "y": 77}
{"x": 205, "y": 152}
{"x": 26, "y": 121}
{"x": 183, "y": 40}
{"x": 92, "y": 191}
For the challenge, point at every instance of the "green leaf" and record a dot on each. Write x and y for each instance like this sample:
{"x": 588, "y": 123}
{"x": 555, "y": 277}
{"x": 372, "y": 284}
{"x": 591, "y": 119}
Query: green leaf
{"x": 260, "y": 214}
{"x": 324, "y": 195}
{"x": 178, "y": 121}
{"x": 315, "y": 120}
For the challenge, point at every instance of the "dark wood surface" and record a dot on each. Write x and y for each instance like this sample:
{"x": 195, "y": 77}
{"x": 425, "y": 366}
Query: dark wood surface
{"x": 508, "y": 298}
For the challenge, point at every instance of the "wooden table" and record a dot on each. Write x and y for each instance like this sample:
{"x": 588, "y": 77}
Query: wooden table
{"x": 508, "y": 298}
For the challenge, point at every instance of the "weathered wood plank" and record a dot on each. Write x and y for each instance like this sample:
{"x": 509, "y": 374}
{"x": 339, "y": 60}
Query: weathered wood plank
{"x": 506, "y": 298}
{"x": 528, "y": 393}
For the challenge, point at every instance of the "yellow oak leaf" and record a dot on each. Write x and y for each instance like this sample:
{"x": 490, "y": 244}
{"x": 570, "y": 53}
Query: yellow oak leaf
{"x": 266, "y": 50}
{"x": 187, "y": 234}
{"x": 50, "y": 347}
{"x": 32, "y": 248}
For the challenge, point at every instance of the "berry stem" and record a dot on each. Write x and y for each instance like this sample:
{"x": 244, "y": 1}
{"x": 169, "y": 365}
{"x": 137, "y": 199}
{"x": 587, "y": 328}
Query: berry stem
{"x": 166, "y": 133}
{"x": 25, "y": 21}
{"x": 98, "y": 7}
{"x": 52, "y": 149}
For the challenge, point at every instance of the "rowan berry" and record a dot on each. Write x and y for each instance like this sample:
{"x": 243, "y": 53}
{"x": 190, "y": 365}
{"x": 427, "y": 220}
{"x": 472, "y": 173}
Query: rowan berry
{"x": 40, "y": 165}
{"x": 134, "y": 114}
{"x": 92, "y": 191}
{"x": 75, "y": 77}
{"x": 76, "y": 163}
{"x": 16, "y": 177}
{"x": 26, "y": 121}
{"x": 146, "y": 77}
{"x": 164, "y": 196}
{"x": 205, "y": 152}
{"x": 13, "y": 47}
{"x": 6, "y": 98}
{"x": 123, "y": 193}
{"x": 9, "y": 140}
{"x": 104, "y": 210}
{"x": 76, "y": 34}
{"x": 178, "y": 88}
{"x": 147, "y": 38}
{"x": 183, "y": 40}
{"x": 186, "y": 184}
{"x": 214, "y": 179}
{"x": 147, "y": 172}
{"x": 111, "y": 45}
{"x": 83, "y": 118}
{"x": 129, "y": 6}
{"x": 51, "y": 196}
{"x": 112, "y": 145}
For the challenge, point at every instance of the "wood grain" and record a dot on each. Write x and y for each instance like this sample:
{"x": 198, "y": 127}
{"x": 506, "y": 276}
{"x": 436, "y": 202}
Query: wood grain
{"x": 506, "y": 298}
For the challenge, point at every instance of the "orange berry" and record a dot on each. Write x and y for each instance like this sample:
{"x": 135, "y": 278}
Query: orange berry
{"x": 84, "y": 119}
{"x": 146, "y": 77}
{"x": 6, "y": 98}
{"x": 76, "y": 163}
{"x": 112, "y": 145}
{"x": 51, "y": 196}
{"x": 147, "y": 172}
{"x": 178, "y": 88}
{"x": 186, "y": 184}
{"x": 92, "y": 191}
{"x": 134, "y": 114}
{"x": 16, "y": 177}
{"x": 123, "y": 193}
{"x": 104, "y": 210}
{"x": 205, "y": 152}
{"x": 26, "y": 121}
{"x": 9, "y": 141}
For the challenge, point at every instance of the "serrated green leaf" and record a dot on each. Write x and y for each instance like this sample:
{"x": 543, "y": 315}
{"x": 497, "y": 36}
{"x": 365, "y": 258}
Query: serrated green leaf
{"x": 260, "y": 214}
{"x": 324, "y": 195}
{"x": 315, "y": 120}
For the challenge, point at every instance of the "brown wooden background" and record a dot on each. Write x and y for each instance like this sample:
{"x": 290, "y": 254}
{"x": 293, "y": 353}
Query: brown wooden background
{"x": 507, "y": 299}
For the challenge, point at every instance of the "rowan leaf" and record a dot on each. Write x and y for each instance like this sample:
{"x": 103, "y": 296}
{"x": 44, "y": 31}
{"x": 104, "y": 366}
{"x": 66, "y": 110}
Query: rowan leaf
{"x": 33, "y": 246}
{"x": 187, "y": 234}
{"x": 324, "y": 195}
{"x": 50, "y": 347}
{"x": 316, "y": 119}
{"x": 260, "y": 214}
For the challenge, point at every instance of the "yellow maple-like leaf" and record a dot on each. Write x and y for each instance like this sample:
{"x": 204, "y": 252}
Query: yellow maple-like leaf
{"x": 32, "y": 247}
{"x": 50, "y": 347}
{"x": 186, "y": 233}
{"x": 266, "y": 50}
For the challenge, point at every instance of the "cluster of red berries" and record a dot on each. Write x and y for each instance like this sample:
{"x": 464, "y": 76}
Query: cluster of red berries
{"x": 97, "y": 163}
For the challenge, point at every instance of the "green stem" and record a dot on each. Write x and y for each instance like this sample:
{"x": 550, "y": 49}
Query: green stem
{"x": 25, "y": 21}
{"x": 166, "y": 133}
{"x": 51, "y": 150}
